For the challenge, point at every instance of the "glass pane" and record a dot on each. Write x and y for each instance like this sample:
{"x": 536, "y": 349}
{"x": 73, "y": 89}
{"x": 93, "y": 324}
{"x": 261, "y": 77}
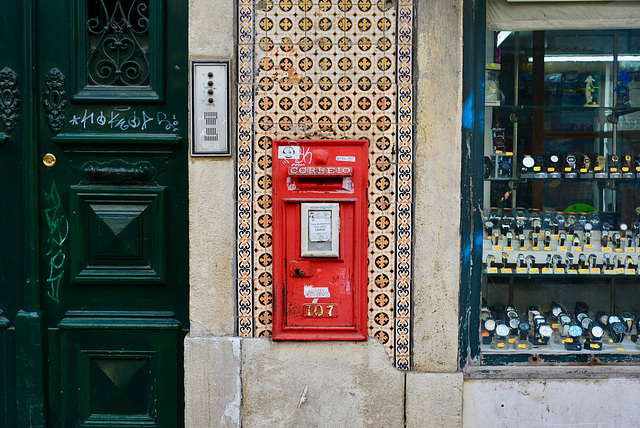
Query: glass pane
{"x": 562, "y": 191}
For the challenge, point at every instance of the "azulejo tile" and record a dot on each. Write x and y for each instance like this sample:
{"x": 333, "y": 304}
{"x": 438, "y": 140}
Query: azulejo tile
{"x": 326, "y": 69}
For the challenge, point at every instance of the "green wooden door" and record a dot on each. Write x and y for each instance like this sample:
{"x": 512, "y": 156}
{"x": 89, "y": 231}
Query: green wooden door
{"x": 93, "y": 203}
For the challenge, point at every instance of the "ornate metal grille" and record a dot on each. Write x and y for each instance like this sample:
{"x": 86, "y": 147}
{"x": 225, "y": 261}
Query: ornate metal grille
{"x": 118, "y": 42}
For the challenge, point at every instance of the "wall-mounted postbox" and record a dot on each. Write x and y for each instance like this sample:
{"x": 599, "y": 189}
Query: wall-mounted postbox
{"x": 320, "y": 240}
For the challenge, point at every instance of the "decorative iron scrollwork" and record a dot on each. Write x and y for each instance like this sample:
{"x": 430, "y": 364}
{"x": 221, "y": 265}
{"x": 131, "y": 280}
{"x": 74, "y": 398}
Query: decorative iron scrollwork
{"x": 118, "y": 43}
{"x": 55, "y": 101}
{"x": 118, "y": 171}
{"x": 9, "y": 102}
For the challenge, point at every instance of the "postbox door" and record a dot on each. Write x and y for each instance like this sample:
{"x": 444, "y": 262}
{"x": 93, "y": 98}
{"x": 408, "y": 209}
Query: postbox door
{"x": 320, "y": 243}
{"x": 319, "y": 288}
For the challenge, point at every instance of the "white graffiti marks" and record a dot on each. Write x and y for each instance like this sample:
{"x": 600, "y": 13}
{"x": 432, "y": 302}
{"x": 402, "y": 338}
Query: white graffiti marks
{"x": 58, "y": 232}
{"x": 124, "y": 118}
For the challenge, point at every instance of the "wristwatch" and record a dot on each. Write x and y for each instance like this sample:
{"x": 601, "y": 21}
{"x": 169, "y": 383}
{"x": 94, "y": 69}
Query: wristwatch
{"x": 596, "y": 332}
{"x": 565, "y": 322}
{"x": 617, "y": 261}
{"x": 514, "y": 325}
{"x": 576, "y": 241}
{"x": 562, "y": 239}
{"x": 530, "y": 261}
{"x": 580, "y": 317}
{"x": 544, "y": 333}
{"x": 585, "y": 323}
{"x": 616, "y": 240}
{"x": 602, "y": 318}
{"x": 536, "y": 224}
{"x": 553, "y": 163}
{"x": 614, "y": 163}
{"x": 489, "y": 325}
{"x": 575, "y": 331}
{"x": 628, "y": 262}
{"x": 587, "y": 233}
{"x": 524, "y": 329}
{"x": 570, "y": 163}
{"x": 627, "y": 319}
{"x": 556, "y": 309}
{"x": 586, "y": 164}
{"x": 488, "y": 228}
{"x": 617, "y": 331}
{"x": 570, "y": 224}
{"x": 626, "y": 165}
{"x": 527, "y": 164}
{"x": 502, "y": 331}
{"x": 532, "y": 311}
{"x": 607, "y": 261}
{"x": 569, "y": 260}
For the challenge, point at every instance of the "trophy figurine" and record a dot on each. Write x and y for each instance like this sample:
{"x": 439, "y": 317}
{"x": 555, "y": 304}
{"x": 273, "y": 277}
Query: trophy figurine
{"x": 589, "y": 90}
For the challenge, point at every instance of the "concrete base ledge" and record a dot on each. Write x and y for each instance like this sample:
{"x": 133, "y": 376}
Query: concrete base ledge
{"x": 552, "y": 372}
{"x": 231, "y": 381}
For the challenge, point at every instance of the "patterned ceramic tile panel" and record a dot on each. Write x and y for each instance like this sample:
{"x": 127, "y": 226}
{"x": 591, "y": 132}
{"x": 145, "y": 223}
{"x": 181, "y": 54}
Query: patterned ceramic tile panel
{"x": 334, "y": 69}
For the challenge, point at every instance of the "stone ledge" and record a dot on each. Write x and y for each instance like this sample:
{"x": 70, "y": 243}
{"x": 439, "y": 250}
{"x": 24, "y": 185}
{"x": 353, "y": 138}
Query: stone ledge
{"x": 551, "y": 372}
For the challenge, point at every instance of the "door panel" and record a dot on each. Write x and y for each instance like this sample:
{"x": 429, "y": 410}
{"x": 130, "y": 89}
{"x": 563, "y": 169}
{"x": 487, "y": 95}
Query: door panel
{"x": 93, "y": 273}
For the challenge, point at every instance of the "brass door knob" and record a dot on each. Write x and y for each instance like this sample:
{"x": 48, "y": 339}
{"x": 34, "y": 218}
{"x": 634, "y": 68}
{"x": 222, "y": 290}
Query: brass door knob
{"x": 49, "y": 160}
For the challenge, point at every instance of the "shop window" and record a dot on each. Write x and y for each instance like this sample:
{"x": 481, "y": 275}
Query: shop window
{"x": 560, "y": 199}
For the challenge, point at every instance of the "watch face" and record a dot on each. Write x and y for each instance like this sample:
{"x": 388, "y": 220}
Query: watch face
{"x": 586, "y": 322}
{"x": 597, "y": 331}
{"x": 618, "y": 327}
{"x": 490, "y": 324}
{"x": 556, "y": 311}
{"x": 524, "y": 326}
{"x": 554, "y": 158}
{"x": 514, "y": 322}
{"x": 565, "y": 319}
{"x": 581, "y": 316}
{"x": 528, "y": 161}
{"x": 545, "y": 330}
{"x": 613, "y": 318}
{"x": 575, "y": 330}
{"x": 502, "y": 330}
{"x": 588, "y": 226}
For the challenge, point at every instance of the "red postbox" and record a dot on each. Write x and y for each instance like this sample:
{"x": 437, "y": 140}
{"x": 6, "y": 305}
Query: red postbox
{"x": 320, "y": 240}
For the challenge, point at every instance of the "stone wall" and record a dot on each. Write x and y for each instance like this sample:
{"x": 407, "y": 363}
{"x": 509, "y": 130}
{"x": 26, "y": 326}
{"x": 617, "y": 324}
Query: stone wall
{"x": 233, "y": 381}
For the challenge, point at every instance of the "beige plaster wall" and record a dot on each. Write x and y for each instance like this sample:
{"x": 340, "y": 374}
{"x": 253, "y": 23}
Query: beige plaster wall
{"x": 212, "y": 189}
{"x": 437, "y": 163}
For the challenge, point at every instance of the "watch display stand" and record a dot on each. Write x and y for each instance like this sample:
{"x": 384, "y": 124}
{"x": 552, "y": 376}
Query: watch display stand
{"x": 592, "y": 345}
{"x": 572, "y": 344}
{"x": 522, "y": 345}
{"x": 500, "y": 344}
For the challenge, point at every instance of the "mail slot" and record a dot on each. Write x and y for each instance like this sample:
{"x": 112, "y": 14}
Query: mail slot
{"x": 320, "y": 239}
